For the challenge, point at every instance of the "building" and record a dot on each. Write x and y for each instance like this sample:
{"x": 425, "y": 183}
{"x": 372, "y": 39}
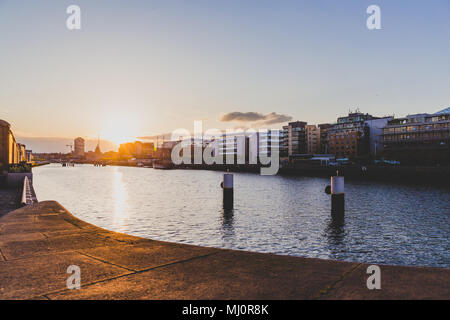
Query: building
{"x": 312, "y": 139}
{"x": 349, "y": 137}
{"x": 6, "y": 142}
{"x": 79, "y": 144}
{"x": 323, "y": 140}
{"x": 127, "y": 149}
{"x": 269, "y": 141}
{"x": 376, "y": 127}
{"x": 97, "y": 149}
{"x": 294, "y": 138}
{"x": 284, "y": 142}
{"x": 235, "y": 148}
{"x": 11, "y": 152}
{"x": 137, "y": 149}
{"x": 248, "y": 147}
{"x": 29, "y": 155}
{"x": 22, "y": 152}
{"x": 419, "y": 139}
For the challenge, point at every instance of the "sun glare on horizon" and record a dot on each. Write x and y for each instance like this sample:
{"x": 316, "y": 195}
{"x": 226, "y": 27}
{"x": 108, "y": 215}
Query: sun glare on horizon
{"x": 120, "y": 128}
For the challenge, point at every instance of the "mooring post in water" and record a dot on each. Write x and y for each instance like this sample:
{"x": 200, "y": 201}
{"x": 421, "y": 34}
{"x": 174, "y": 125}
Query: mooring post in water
{"x": 227, "y": 186}
{"x": 337, "y": 194}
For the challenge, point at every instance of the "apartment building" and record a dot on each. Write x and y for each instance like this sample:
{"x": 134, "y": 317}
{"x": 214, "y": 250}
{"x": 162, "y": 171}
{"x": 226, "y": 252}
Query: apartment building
{"x": 323, "y": 139}
{"x": 294, "y": 138}
{"x": 312, "y": 139}
{"x": 248, "y": 147}
{"x": 419, "y": 138}
{"x": 350, "y": 136}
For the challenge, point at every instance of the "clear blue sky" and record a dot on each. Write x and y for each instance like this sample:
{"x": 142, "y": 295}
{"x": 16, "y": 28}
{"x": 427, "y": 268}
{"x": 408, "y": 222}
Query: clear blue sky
{"x": 143, "y": 67}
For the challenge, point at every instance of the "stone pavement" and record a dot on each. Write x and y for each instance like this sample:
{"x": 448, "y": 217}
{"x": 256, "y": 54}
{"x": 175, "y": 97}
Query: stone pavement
{"x": 39, "y": 242}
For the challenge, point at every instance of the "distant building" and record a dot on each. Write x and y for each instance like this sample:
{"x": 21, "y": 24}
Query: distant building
{"x": 144, "y": 149}
{"x": 168, "y": 144}
{"x": 269, "y": 141}
{"x": 376, "y": 126}
{"x": 137, "y": 150}
{"x": 312, "y": 139}
{"x": 127, "y": 149}
{"x": 419, "y": 138}
{"x": 79, "y": 147}
{"x": 323, "y": 140}
{"x": 237, "y": 148}
{"x": 97, "y": 149}
{"x": 29, "y": 156}
{"x": 349, "y": 137}
{"x": 248, "y": 147}
{"x": 294, "y": 138}
{"x": 22, "y": 152}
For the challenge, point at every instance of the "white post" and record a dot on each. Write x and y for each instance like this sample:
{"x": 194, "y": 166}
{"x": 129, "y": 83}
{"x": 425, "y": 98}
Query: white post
{"x": 337, "y": 195}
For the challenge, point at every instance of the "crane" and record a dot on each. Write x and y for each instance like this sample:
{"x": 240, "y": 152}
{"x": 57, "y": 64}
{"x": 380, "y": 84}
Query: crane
{"x": 71, "y": 147}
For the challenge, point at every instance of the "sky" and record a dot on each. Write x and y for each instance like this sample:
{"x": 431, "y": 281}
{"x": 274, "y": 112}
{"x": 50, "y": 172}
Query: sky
{"x": 142, "y": 68}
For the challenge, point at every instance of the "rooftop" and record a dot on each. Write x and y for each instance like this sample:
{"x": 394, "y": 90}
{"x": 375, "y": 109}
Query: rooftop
{"x": 444, "y": 111}
{"x": 3, "y": 123}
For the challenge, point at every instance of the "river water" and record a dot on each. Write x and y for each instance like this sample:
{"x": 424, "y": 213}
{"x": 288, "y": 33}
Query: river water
{"x": 384, "y": 223}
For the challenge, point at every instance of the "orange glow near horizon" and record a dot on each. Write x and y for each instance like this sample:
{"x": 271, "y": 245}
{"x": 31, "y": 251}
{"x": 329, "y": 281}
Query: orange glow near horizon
{"x": 120, "y": 128}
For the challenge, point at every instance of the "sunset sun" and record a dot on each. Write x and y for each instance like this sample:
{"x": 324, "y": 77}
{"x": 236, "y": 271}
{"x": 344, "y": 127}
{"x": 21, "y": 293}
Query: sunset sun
{"x": 120, "y": 128}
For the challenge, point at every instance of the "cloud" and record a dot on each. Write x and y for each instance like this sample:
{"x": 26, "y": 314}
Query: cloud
{"x": 242, "y": 116}
{"x": 273, "y": 118}
{"x": 270, "y": 118}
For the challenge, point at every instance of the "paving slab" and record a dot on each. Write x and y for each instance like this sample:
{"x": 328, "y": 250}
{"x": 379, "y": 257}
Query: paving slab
{"x": 26, "y": 248}
{"x": 27, "y": 278}
{"x": 146, "y": 255}
{"x": 396, "y": 283}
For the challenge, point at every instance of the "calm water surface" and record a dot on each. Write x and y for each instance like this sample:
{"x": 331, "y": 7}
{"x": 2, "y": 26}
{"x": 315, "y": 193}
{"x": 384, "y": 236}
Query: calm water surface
{"x": 384, "y": 223}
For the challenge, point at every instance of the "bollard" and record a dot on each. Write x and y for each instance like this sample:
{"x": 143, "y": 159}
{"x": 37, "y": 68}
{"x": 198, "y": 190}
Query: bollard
{"x": 227, "y": 186}
{"x": 337, "y": 195}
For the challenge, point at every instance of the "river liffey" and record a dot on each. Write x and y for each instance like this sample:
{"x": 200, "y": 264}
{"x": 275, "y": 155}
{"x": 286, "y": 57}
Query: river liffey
{"x": 384, "y": 223}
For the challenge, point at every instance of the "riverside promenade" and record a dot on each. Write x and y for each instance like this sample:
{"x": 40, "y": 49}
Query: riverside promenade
{"x": 39, "y": 242}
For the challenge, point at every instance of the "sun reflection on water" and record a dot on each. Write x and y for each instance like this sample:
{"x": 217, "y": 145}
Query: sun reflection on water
{"x": 120, "y": 201}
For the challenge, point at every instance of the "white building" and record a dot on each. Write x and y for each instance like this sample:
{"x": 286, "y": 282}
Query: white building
{"x": 248, "y": 146}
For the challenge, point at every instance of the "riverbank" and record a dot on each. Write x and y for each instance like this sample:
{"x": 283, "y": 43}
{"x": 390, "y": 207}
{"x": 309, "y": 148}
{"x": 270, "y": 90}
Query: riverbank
{"x": 439, "y": 176}
{"x": 39, "y": 242}
{"x": 416, "y": 175}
